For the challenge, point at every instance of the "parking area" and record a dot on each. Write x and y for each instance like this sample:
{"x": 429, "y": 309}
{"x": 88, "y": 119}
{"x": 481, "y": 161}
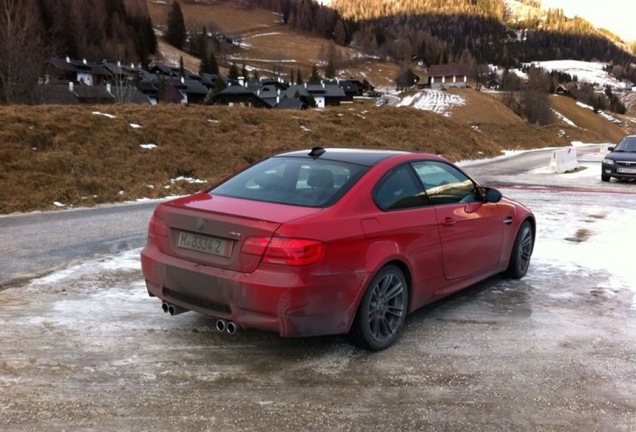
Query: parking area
{"x": 85, "y": 348}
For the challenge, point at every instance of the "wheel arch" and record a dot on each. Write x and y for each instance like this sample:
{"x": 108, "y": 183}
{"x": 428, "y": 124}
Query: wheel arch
{"x": 403, "y": 267}
{"x": 374, "y": 326}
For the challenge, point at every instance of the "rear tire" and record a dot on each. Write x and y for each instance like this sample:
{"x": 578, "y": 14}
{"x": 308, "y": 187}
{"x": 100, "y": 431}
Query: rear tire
{"x": 521, "y": 252}
{"x": 605, "y": 178}
{"x": 382, "y": 311}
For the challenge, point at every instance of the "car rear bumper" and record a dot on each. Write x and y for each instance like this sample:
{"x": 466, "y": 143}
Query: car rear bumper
{"x": 291, "y": 303}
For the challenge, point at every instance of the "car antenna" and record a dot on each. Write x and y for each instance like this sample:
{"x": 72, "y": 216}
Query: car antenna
{"x": 316, "y": 152}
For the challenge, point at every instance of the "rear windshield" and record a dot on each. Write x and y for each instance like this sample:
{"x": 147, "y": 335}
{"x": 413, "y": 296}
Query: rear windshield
{"x": 293, "y": 181}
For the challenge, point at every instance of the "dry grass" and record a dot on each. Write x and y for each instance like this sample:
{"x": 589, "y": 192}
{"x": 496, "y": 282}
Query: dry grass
{"x": 587, "y": 119}
{"x": 273, "y": 48}
{"x": 78, "y": 158}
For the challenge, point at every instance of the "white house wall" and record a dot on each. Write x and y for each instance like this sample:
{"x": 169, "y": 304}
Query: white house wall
{"x": 85, "y": 78}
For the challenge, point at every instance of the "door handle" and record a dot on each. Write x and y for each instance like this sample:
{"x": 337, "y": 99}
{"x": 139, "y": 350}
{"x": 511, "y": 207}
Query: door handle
{"x": 448, "y": 221}
{"x": 507, "y": 220}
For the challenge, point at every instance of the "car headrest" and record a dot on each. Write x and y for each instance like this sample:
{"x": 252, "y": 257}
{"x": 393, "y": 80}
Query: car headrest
{"x": 320, "y": 178}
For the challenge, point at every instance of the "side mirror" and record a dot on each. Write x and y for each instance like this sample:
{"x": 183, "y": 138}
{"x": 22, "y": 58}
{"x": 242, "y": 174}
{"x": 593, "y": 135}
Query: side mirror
{"x": 493, "y": 195}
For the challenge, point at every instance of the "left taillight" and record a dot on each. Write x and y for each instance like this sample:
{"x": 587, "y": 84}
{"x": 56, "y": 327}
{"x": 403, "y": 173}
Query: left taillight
{"x": 157, "y": 228}
{"x": 284, "y": 250}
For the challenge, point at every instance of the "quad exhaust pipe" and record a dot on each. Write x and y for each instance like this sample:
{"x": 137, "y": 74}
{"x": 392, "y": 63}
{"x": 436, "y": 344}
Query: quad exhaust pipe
{"x": 172, "y": 309}
{"x": 227, "y": 326}
{"x": 221, "y": 325}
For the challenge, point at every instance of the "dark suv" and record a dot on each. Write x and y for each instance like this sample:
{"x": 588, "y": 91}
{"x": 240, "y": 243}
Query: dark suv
{"x": 620, "y": 162}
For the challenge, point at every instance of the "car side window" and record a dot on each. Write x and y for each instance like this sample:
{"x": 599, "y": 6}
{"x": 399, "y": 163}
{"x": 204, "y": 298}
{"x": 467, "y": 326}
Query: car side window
{"x": 399, "y": 190}
{"x": 445, "y": 184}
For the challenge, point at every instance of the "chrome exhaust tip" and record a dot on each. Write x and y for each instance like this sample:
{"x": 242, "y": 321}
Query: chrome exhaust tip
{"x": 165, "y": 306}
{"x": 232, "y": 327}
{"x": 221, "y": 325}
{"x": 176, "y": 310}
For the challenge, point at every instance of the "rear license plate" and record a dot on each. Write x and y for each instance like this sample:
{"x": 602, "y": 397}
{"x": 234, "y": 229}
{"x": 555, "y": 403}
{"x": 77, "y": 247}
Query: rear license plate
{"x": 626, "y": 170}
{"x": 205, "y": 244}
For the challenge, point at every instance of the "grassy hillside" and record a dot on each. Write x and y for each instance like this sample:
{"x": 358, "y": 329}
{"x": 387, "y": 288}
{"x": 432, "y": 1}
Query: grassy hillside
{"x": 586, "y": 118}
{"x": 267, "y": 45}
{"x": 78, "y": 156}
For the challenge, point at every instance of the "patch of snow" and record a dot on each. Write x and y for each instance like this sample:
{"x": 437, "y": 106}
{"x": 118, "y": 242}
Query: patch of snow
{"x": 437, "y": 101}
{"x": 582, "y": 105}
{"x": 262, "y": 34}
{"x": 242, "y": 59}
{"x": 148, "y": 146}
{"x": 104, "y": 114}
{"x": 58, "y": 204}
{"x": 563, "y": 118}
{"x": 609, "y": 117}
{"x": 135, "y": 126}
{"x": 589, "y": 72}
{"x": 190, "y": 180}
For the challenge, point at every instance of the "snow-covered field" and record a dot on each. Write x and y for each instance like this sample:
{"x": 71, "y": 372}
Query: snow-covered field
{"x": 438, "y": 101}
{"x": 589, "y": 72}
{"x": 442, "y": 102}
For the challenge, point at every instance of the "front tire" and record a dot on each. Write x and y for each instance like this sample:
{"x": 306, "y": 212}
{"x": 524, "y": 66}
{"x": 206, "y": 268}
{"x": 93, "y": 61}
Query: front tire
{"x": 521, "y": 252}
{"x": 382, "y": 311}
{"x": 605, "y": 178}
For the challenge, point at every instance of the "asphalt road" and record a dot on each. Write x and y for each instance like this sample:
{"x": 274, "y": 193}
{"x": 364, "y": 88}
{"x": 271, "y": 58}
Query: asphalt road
{"x": 85, "y": 349}
{"x": 35, "y": 244}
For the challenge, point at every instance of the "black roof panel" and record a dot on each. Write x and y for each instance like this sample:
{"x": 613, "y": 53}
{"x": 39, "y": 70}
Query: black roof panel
{"x": 365, "y": 157}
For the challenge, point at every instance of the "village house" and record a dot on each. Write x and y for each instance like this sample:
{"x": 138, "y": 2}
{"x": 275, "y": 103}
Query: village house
{"x": 445, "y": 76}
{"x": 236, "y": 94}
{"x": 70, "y": 81}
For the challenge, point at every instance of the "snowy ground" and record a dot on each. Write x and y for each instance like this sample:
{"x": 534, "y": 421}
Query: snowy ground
{"x": 441, "y": 102}
{"x": 438, "y": 101}
{"x": 86, "y": 349}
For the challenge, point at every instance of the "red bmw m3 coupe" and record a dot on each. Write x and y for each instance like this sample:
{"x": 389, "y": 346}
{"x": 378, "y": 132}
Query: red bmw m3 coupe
{"x": 332, "y": 241}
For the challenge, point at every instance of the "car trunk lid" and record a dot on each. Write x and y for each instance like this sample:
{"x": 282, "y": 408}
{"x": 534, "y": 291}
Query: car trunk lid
{"x": 211, "y": 230}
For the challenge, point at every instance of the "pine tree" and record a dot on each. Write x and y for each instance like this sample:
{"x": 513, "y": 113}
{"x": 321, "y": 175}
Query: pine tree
{"x": 176, "y": 33}
{"x": 213, "y": 64}
{"x": 146, "y": 41}
{"x": 315, "y": 75}
{"x": 204, "y": 66}
{"x": 330, "y": 70}
{"x": 299, "y": 77}
{"x": 233, "y": 73}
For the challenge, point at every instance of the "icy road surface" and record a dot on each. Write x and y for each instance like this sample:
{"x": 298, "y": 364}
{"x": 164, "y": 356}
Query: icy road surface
{"x": 85, "y": 348}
